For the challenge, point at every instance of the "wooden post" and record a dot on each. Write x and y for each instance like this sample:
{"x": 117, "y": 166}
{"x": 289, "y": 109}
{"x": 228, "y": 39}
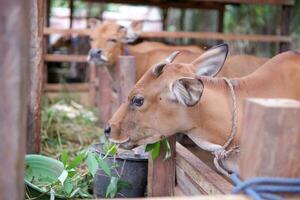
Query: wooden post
{"x": 165, "y": 18}
{"x": 93, "y": 82}
{"x": 125, "y": 76}
{"x": 105, "y": 95}
{"x": 270, "y": 138}
{"x": 71, "y": 7}
{"x": 47, "y": 10}
{"x": 286, "y": 17}
{"x": 161, "y": 173}
{"x": 221, "y": 18}
{"x": 34, "y": 112}
{"x": 14, "y": 93}
{"x": 194, "y": 177}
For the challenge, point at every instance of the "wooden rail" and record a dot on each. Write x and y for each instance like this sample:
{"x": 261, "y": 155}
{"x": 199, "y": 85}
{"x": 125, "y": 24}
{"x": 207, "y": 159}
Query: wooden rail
{"x": 181, "y": 34}
{"x": 194, "y": 177}
{"x": 71, "y": 87}
{"x": 65, "y": 58}
{"x": 216, "y": 36}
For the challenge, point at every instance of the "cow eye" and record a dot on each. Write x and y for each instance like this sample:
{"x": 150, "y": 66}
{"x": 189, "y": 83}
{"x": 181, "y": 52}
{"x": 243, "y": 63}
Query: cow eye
{"x": 112, "y": 40}
{"x": 137, "y": 101}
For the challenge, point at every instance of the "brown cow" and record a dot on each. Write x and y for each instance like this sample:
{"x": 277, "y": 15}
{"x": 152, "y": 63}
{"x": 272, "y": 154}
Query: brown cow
{"x": 172, "y": 98}
{"x": 109, "y": 41}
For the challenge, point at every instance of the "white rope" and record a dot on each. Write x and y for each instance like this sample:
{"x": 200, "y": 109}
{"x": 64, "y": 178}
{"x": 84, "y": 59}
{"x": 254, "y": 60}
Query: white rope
{"x": 222, "y": 153}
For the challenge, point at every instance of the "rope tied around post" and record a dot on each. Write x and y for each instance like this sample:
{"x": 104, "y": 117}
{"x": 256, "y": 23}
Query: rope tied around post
{"x": 264, "y": 187}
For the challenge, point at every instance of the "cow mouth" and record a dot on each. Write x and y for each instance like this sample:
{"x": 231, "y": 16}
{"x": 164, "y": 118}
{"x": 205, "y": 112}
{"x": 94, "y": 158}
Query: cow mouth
{"x": 125, "y": 144}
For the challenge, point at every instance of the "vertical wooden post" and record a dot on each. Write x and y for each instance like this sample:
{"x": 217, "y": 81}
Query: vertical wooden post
{"x": 14, "y": 80}
{"x": 105, "y": 95}
{"x": 286, "y": 16}
{"x": 36, "y": 89}
{"x": 71, "y": 6}
{"x": 270, "y": 138}
{"x": 93, "y": 82}
{"x": 161, "y": 173}
{"x": 47, "y": 10}
{"x": 125, "y": 76}
{"x": 165, "y": 18}
{"x": 221, "y": 18}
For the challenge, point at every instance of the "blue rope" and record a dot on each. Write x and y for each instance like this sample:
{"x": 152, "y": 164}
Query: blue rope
{"x": 263, "y": 187}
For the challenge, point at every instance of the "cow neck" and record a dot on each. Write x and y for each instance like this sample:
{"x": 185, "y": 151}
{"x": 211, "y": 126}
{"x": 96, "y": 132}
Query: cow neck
{"x": 222, "y": 153}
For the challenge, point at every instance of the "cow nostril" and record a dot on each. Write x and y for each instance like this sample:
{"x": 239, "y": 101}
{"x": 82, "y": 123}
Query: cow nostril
{"x": 107, "y": 130}
{"x": 98, "y": 51}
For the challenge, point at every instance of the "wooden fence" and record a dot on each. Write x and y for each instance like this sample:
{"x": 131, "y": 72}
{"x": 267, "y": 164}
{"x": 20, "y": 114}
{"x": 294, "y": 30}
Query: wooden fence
{"x": 269, "y": 126}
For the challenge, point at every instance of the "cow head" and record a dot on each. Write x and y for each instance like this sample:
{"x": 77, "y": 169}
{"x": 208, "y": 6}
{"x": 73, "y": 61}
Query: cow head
{"x": 162, "y": 100}
{"x": 107, "y": 40}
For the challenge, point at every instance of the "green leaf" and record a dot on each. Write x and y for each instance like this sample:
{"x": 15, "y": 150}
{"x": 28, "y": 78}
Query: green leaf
{"x": 63, "y": 176}
{"x": 64, "y": 157}
{"x": 112, "y": 188}
{"x": 92, "y": 163}
{"x": 105, "y": 166}
{"x": 74, "y": 192}
{"x": 68, "y": 186}
{"x": 76, "y": 161}
{"x": 154, "y": 149}
{"x": 113, "y": 149}
{"x": 168, "y": 149}
{"x": 149, "y": 147}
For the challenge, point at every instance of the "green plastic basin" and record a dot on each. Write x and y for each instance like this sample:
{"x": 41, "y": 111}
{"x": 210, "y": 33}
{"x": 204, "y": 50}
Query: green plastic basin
{"x": 40, "y": 170}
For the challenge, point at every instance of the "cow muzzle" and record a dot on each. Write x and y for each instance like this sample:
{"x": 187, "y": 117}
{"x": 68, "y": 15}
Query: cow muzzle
{"x": 96, "y": 56}
{"x": 124, "y": 141}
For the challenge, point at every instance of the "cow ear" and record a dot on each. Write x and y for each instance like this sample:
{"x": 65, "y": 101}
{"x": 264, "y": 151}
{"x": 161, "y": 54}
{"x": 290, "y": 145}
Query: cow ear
{"x": 133, "y": 32}
{"x": 136, "y": 26}
{"x": 187, "y": 91}
{"x": 211, "y": 62}
{"x": 93, "y": 22}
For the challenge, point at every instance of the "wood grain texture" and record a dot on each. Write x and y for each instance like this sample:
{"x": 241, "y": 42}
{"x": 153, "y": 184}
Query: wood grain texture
{"x": 65, "y": 58}
{"x": 33, "y": 138}
{"x": 207, "y": 4}
{"x": 93, "y": 83}
{"x": 270, "y": 138}
{"x": 14, "y": 93}
{"x": 125, "y": 76}
{"x": 161, "y": 173}
{"x": 106, "y": 97}
{"x": 205, "y": 178}
{"x": 181, "y": 34}
{"x": 285, "y": 26}
{"x": 70, "y": 87}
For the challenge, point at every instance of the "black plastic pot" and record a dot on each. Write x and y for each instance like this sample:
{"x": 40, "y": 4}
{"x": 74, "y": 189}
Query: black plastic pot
{"x": 135, "y": 169}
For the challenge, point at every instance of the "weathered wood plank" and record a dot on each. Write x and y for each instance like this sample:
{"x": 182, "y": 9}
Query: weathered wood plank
{"x": 161, "y": 173}
{"x": 285, "y": 26}
{"x": 71, "y": 87}
{"x": 37, "y": 71}
{"x": 125, "y": 76}
{"x": 65, "y": 58}
{"x": 210, "y": 182}
{"x": 207, "y": 4}
{"x": 106, "y": 97}
{"x": 270, "y": 138}
{"x": 216, "y": 36}
{"x": 93, "y": 82}
{"x": 80, "y": 32}
{"x": 179, "y": 34}
{"x": 14, "y": 90}
{"x": 186, "y": 184}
